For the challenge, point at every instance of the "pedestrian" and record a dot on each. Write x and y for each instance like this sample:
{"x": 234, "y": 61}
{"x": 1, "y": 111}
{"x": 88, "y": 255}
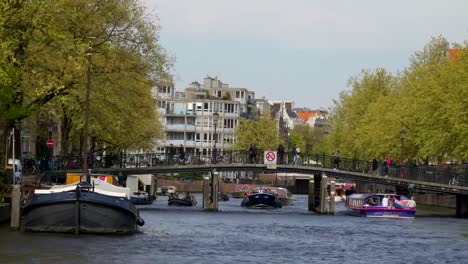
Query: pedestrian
{"x": 375, "y": 166}
{"x": 296, "y": 151}
{"x": 336, "y": 159}
{"x": 251, "y": 153}
{"x": 387, "y": 163}
{"x": 255, "y": 152}
{"x": 280, "y": 154}
{"x": 181, "y": 153}
{"x": 172, "y": 153}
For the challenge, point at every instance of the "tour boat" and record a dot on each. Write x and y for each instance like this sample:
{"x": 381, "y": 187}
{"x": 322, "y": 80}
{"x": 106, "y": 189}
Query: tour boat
{"x": 261, "y": 199}
{"x": 81, "y": 207}
{"x": 370, "y": 205}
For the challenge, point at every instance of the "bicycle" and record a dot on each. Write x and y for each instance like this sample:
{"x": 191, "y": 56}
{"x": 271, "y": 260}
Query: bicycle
{"x": 455, "y": 181}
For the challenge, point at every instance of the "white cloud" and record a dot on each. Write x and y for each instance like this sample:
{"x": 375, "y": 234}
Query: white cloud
{"x": 317, "y": 24}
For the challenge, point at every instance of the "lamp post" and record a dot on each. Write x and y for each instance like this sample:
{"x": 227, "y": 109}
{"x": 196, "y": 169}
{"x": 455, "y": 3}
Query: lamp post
{"x": 215, "y": 123}
{"x": 88, "y": 88}
{"x": 402, "y": 168}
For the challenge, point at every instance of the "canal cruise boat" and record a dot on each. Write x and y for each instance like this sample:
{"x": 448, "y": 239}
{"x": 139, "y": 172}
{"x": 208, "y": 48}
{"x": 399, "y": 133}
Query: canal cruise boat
{"x": 370, "y": 205}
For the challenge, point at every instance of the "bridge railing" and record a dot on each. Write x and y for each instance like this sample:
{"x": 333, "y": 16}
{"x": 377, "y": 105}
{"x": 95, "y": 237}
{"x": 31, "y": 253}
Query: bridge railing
{"x": 456, "y": 175}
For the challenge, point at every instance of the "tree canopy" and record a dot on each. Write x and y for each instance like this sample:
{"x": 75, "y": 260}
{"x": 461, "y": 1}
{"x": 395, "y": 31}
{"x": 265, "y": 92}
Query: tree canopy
{"x": 262, "y": 132}
{"x": 428, "y": 100}
{"x": 44, "y": 62}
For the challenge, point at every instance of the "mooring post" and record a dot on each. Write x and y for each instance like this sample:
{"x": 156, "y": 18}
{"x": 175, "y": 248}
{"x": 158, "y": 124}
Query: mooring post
{"x": 15, "y": 207}
{"x": 331, "y": 205}
{"x": 206, "y": 192}
{"x": 215, "y": 190}
{"x": 323, "y": 194}
{"x": 311, "y": 197}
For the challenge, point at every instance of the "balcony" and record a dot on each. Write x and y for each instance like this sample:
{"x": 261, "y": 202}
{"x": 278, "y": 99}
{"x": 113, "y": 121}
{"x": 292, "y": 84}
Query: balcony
{"x": 179, "y": 127}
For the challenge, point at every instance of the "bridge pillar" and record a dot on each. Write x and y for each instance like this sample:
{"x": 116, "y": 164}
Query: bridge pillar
{"x": 462, "y": 206}
{"x": 331, "y": 204}
{"x": 311, "y": 196}
{"x": 323, "y": 195}
{"x": 210, "y": 192}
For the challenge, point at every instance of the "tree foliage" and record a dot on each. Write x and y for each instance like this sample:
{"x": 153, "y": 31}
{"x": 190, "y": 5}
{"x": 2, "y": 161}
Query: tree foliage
{"x": 262, "y": 132}
{"x": 43, "y": 68}
{"x": 429, "y": 100}
{"x": 309, "y": 139}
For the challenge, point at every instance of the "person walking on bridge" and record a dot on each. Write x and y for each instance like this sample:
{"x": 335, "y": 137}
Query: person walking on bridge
{"x": 280, "y": 154}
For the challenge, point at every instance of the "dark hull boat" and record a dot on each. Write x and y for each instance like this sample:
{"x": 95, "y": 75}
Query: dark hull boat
{"x": 261, "y": 200}
{"x": 82, "y": 210}
{"x": 175, "y": 201}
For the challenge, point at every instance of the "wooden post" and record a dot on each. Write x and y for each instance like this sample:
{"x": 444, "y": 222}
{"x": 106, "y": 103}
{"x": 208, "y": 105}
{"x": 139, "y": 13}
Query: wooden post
{"x": 323, "y": 194}
{"x": 311, "y": 197}
{"x": 206, "y": 192}
{"x": 462, "y": 206}
{"x": 15, "y": 207}
{"x": 215, "y": 190}
{"x": 331, "y": 205}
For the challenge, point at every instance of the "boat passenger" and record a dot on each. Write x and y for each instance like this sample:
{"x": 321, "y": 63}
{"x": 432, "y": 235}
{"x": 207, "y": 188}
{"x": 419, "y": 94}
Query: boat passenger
{"x": 390, "y": 203}
{"x": 411, "y": 203}
{"x": 385, "y": 201}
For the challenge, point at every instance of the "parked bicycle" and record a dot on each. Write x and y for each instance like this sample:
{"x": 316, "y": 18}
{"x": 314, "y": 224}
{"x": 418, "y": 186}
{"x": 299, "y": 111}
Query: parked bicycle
{"x": 29, "y": 167}
{"x": 455, "y": 181}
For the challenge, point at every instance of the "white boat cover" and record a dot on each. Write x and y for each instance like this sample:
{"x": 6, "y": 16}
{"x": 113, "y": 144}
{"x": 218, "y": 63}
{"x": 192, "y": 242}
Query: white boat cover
{"x": 105, "y": 188}
{"x": 101, "y": 187}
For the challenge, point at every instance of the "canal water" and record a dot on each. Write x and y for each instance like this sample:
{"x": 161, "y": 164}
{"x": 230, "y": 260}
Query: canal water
{"x": 239, "y": 235}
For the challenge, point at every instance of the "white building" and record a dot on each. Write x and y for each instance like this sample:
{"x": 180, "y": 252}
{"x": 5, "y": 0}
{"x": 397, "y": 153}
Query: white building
{"x": 188, "y": 117}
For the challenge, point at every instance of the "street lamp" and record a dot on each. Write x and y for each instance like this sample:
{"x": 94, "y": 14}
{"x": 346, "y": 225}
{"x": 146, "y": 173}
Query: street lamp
{"x": 402, "y": 169}
{"x": 215, "y": 123}
{"x": 88, "y": 88}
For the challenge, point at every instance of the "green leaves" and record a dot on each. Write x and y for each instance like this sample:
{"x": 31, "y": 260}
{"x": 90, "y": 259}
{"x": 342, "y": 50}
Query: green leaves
{"x": 43, "y": 68}
{"x": 261, "y": 132}
{"x": 429, "y": 100}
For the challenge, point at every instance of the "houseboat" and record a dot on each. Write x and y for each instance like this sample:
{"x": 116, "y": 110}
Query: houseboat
{"x": 370, "y": 205}
{"x": 81, "y": 207}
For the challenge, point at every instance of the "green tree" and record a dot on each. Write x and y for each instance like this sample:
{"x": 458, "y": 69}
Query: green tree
{"x": 46, "y": 63}
{"x": 262, "y": 132}
{"x": 310, "y": 138}
{"x": 350, "y": 132}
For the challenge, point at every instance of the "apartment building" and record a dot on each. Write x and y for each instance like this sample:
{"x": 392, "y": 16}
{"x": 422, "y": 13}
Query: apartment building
{"x": 201, "y": 115}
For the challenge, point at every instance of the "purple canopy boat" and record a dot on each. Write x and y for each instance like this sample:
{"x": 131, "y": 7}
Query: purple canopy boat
{"x": 370, "y": 205}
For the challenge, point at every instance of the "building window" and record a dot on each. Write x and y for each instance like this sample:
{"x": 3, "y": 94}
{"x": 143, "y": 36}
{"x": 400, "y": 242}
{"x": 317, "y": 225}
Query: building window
{"x": 237, "y": 94}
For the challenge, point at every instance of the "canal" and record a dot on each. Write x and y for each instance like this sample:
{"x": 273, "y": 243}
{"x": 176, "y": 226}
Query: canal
{"x": 238, "y": 235}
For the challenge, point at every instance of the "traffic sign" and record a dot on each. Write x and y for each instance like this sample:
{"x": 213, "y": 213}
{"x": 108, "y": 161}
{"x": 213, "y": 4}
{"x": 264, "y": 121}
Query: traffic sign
{"x": 269, "y": 157}
{"x": 50, "y": 143}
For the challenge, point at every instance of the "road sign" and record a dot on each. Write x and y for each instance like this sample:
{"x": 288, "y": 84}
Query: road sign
{"x": 50, "y": 143}
{"x": 269, "y": 157}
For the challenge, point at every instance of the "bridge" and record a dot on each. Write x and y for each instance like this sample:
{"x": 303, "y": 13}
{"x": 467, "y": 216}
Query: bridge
{"x": 461, "y": 192}
{"x": 430, "y": 181}
{"x": 260, "y": 168}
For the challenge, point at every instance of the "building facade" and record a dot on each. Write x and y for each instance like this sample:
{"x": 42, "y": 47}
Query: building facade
{"x": 201, "y": 116}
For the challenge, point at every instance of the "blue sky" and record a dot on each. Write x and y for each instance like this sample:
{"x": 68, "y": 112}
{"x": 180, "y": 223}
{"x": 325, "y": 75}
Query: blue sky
{"x": 300, "y": 50}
